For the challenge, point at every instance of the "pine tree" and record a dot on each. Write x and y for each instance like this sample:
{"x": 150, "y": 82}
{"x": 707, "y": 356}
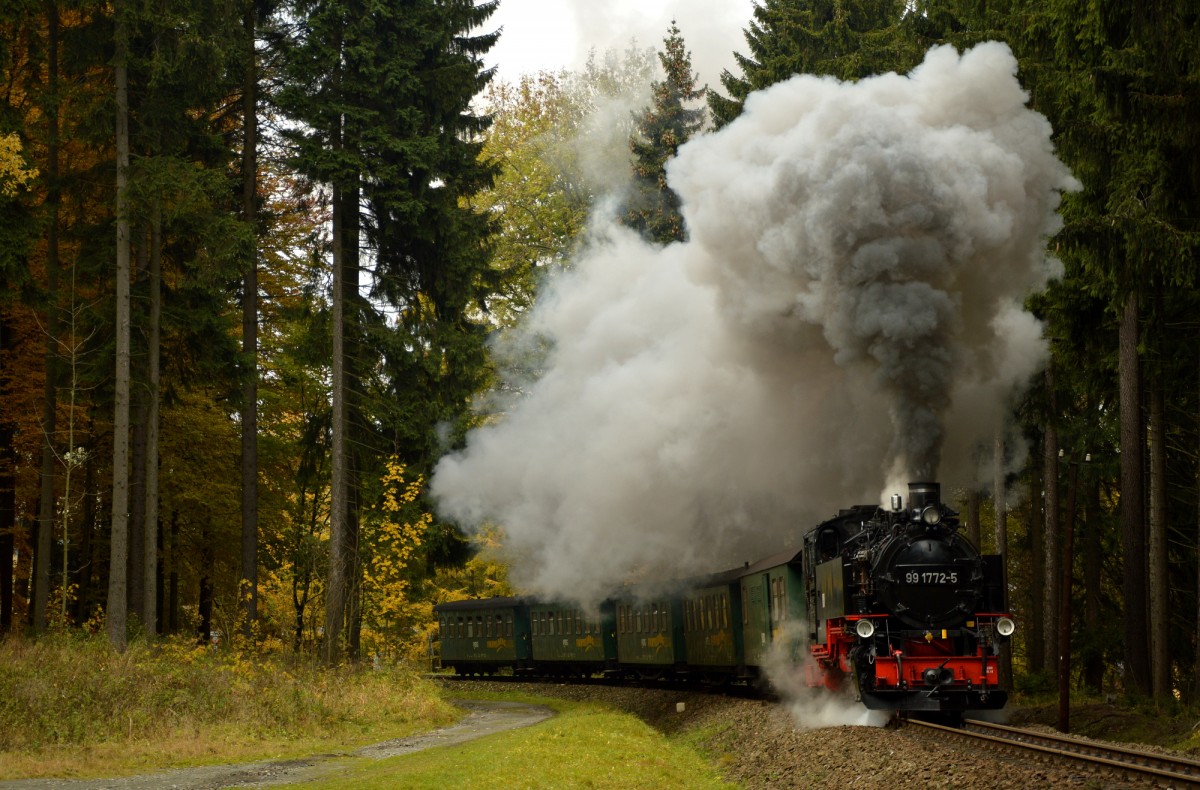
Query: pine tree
{"x": 117, "y": 608}
{"x": 384, "y": 94}
{"x": 847, "y": 39}
{"x": 669, "y": 122}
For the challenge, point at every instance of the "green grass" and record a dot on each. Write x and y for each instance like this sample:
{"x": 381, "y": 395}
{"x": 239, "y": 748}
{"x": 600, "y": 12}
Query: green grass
{"x": 584, "y": 746}
{"x": 71, "y": 707}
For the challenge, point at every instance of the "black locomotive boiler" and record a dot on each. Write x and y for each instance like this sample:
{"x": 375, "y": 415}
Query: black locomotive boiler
{"x": 903, "y": 606}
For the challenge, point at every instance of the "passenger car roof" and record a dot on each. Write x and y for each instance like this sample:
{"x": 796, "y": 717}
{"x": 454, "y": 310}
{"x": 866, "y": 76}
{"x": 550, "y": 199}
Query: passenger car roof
{"x": 507, "y": 602}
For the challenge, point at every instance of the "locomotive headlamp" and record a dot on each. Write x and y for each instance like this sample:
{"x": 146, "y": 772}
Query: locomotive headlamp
{"x": 931, "y": 515}
{"x": 1005, "y": 626}
{"x": 865, "y": 629}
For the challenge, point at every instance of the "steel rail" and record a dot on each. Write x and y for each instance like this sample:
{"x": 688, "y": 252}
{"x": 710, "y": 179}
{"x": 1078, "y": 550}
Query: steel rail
{"x": 1160, "y": 769}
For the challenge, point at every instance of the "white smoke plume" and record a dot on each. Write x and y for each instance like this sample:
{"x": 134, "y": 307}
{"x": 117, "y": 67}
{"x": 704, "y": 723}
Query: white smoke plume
{"x": 785, "y": 666}
{"x": 846, "y": 312}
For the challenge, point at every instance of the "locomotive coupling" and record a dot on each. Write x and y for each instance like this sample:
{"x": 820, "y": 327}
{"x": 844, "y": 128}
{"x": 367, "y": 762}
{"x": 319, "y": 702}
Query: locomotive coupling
{"x": 937, "y": 676}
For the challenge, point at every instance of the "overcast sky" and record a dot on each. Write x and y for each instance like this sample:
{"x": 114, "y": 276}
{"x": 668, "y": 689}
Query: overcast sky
{"x": 554, "y": 34}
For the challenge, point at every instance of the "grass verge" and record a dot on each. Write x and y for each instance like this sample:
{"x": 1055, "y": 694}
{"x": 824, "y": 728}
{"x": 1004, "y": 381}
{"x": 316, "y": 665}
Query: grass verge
{"x": 584, "y": 746}
{"x": 70, "y": 707}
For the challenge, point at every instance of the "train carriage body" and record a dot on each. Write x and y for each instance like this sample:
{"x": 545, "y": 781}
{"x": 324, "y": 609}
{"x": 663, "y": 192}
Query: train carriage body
{"x": 482, "y": 636}
{"x": 567, "y": 640}
{"x": 773, "y": 607}
{"x": 712, "y": 635}
{"x": 649, "y": 634}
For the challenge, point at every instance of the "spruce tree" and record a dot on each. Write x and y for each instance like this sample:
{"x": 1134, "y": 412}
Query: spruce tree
{"x": 847, "y": 39}
{"x": 382, "y": 93}
{"x": 669, "y": 122}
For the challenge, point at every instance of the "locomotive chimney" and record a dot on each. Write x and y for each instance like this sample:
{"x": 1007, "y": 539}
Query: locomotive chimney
{"x": 922, "y": 494}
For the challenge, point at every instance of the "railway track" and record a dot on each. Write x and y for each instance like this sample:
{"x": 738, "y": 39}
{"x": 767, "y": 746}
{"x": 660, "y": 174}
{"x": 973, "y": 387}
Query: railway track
{"x": 1101, "y": 759}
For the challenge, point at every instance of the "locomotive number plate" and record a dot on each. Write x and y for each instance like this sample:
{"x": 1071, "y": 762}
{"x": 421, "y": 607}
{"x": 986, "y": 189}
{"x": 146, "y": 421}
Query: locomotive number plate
{"x": 930, "y": 577}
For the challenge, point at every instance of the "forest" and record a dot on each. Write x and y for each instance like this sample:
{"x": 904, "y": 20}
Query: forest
{"x": 255, "y": 253}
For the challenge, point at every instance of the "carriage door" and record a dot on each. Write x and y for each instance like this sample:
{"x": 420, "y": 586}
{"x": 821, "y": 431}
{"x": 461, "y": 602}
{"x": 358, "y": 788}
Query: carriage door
{"x": 769, "y": 608}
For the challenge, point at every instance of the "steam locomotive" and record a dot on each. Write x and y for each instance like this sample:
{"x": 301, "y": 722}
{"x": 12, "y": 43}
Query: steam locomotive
{"x": 905, "y": 607}
{"x": 894, "y": 605}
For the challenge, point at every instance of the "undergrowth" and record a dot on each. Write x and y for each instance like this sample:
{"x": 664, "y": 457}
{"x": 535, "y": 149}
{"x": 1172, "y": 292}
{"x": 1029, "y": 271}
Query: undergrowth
{"x": 170, "y": 702}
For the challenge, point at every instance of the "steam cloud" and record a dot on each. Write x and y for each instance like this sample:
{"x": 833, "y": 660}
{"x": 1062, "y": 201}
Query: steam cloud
{"x": 846, "y": 312}
{"x": 785, "y": 665}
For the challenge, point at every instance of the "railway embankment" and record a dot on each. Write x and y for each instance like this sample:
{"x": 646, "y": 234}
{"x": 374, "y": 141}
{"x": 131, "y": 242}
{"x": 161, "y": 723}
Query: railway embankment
{"x": 765, "y": 744}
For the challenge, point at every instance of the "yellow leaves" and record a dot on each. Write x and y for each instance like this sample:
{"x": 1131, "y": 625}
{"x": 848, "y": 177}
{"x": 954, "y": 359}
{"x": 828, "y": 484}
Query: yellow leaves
{"x": 14, "y": 174}
{"x": 393, "y": 537}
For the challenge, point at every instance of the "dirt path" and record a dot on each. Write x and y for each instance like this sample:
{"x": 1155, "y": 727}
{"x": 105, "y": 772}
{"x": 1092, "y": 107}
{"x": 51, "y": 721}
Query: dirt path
{"x": 483, "y": 718}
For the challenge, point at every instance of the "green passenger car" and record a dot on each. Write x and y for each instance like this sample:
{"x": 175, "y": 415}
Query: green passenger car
{"x": 649, "y": 635}
{"x": 773, "y": 607}
{"x": 712, "y": 627}
{"x": 482, "y": 636}
{"x": 571, "y": 641}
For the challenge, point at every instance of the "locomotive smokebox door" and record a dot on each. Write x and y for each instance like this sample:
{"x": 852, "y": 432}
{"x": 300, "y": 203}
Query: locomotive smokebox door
{"x": 930, "y": 582}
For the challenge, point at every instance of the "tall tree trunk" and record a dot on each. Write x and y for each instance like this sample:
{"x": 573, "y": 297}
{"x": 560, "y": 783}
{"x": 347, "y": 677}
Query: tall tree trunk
{"x": 172, "y": 618}
{"x": 249, "y": 591}
{"x": 41, "y": 574}
{"x": 1064, "y": 604}
{"x": 8, "y": 513}
{"x": 86, "y": 557}
{"x": 335, "y": 593}
{"x": 1160, "y": 659}
{"x": 140, "y": 407}
{"x": 150, "y": 529}
{"x": 339, "y": 504}
{"x": 72, "y": 459}
{"x": 1050, "y": 532}
{"x": 206, "y": 592}
{"x": 1000, "y": 506}
{"x": 1196, "y": 646}
{"x": 1133, "y": 522}
{"x": 8, "y": 510}
{"x": 303, "y": 577}
{"x": 353, "y": 351}
{"x": 116, "y": 611}
{"x": 1093, "y": 565}
{"x": 973, "y": 517}
{"x": 1035, "y": 635}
